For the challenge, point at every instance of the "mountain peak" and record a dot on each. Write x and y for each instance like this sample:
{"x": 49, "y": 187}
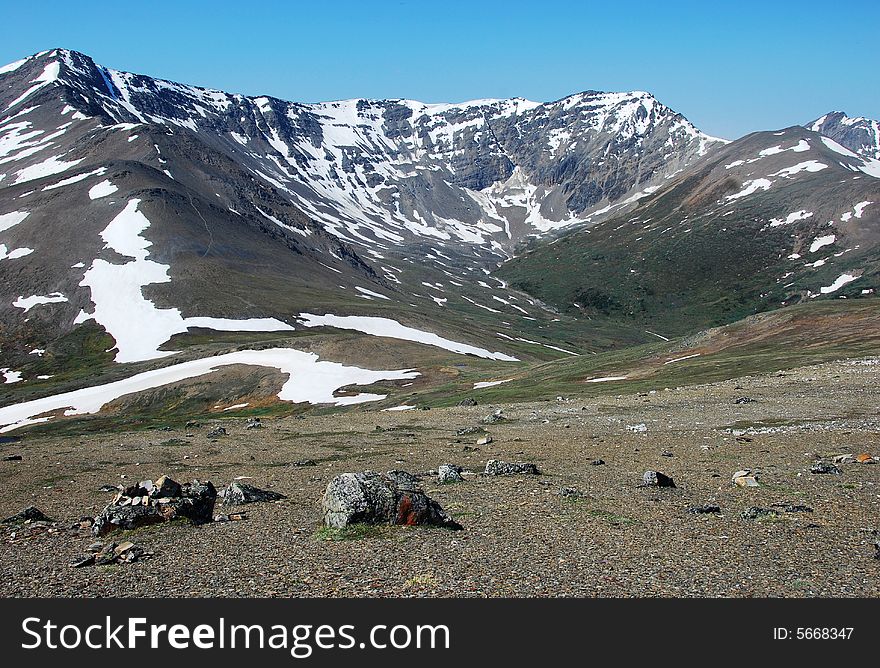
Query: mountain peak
{"x": 857, "y": 133}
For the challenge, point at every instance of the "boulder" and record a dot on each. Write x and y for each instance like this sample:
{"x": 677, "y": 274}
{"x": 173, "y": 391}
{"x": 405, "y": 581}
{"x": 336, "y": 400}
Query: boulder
{"x": 657, "y": 479}
{"x": 468, "y": 402}
{"x": 449, "y": 473}
{"x": 497, "y": 467}
{"x": 239, "y": 493}
{"x": 374, "y": 498}
{"x": 216, "y": 432}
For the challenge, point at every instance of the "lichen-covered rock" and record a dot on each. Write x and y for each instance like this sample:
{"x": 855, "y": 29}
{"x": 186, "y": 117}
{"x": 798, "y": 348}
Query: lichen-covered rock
{"x": 825, "y": 468}
{"x": 373, "y": 498}
{"x": 497, "y": 467}
{"x": 449, "y": 473}
{"x": 239, "y": 493}
{"x": 657, "y": 479}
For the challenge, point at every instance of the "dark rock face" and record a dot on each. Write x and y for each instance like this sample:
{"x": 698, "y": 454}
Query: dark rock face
{"x": 29, "y": 514}
{"x": 239, "y": 493}
{"x": 373, "y": 498}
{"x": 657, "y": 479}
{"x": 859, "y": 135}
{"x": 150, "y": 503}
{"x": 497, "y": 467}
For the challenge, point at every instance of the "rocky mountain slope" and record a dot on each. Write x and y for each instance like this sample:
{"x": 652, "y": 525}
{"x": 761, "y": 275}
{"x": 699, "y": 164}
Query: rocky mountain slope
{"x": 772, "y": 219}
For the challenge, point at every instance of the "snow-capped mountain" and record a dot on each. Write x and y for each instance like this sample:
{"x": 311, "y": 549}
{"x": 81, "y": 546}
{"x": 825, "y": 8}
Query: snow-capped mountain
{"x": 858, "y": 134}
{"x": 389, "y": 172}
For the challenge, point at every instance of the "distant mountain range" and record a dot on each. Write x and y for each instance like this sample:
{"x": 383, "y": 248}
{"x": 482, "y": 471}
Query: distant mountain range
{"x": 139, "y": 216}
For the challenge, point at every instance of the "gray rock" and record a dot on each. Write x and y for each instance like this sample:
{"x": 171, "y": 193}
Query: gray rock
{"x": 495, "y": 417}
{"x": 571, "y": 493}
{"x": 657, "y": 479}
{"x": 468, "y": 402}
{"x": 449, "y": 473}
{"x": 597, "y": 462}
{"x": 216, "y": 432}
{"x": 239, "y": 493}
{"x": 825, "y": 468}
{"x": 254, "y": 423}
{"x": 373, "y": 498}
{"x": 497, "y": 467}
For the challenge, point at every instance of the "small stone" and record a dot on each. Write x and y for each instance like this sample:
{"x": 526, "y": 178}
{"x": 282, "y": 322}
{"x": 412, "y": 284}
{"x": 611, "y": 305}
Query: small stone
{"x": 597, "y": 462}
{"x": 640, "y": 428}
{"x": 496, "y": 416}
{"x": 570, "y": 493}
{"x": 468, "y": 402}
{"x": 657, "y": 479}
{"x": 666, "y": 453}
{"x": 237, "y": 517}
{"x": 88, "y": 560}
{"x": 744, "y": 400}
{"x": 12, "y": 458}
{"x": 798, "y": 509}
{"x": 96, "y": 547}
{"x": 484, "y": 440}
{"x": 865, "y": 458}
{"x": 216, "y": 432}
{"x": 825, "y": 468}
{"x": 124, "y": 546}
{"x": 304, "y": 462}
{"x": 221, "y": 518}
{"x": 705, "y": 509}
{"x": 254, "y": 423}
{"x": 755, "y": 513}
{"x": 843, "y": 459}
{"x": 746, "y": 481}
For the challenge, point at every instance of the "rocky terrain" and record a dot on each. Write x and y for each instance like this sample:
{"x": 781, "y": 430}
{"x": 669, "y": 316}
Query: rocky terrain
{"x": 585, "y": 525}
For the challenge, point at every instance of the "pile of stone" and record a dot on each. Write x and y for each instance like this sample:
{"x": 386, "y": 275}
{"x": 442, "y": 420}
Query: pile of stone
{"x": 498, "y": 467}
{"x": 254, "y": 423}
{"x": 395, "y": 497}
{"x": 151, "y": 502}
{"x": 29, "y": 515}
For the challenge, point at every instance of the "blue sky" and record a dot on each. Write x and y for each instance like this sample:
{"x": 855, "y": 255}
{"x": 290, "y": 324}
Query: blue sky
{"x": 731, "y": 67}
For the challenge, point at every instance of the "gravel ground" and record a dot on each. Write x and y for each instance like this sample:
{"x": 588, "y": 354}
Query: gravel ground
{"x": 520, "y": 537}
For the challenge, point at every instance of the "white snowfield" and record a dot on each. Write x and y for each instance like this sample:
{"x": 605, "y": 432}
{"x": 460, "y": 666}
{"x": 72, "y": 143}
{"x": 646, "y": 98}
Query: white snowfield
{"x": 27, "y": 303}
{"x": 103, "y": 189}
{"x": 394, "y": 330}
{"x": 838, "y": 283}
{"x": 11, "y": 219}
{"x": 310, "y": 381}
{"x": 491, "y": 383}
{"x": 138, "y": 327}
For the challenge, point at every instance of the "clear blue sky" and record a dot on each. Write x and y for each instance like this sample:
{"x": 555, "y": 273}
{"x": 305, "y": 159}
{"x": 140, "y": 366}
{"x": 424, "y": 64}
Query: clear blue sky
{"x": 731, "y": 67}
